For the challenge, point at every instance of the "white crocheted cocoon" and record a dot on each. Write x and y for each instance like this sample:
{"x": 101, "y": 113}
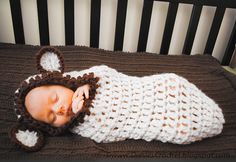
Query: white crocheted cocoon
{"x": 164, "y": 107}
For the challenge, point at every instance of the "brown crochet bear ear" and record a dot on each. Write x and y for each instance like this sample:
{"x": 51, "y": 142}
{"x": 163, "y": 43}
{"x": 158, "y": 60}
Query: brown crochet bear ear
{"x": 49, "y": 59}
{"x": 26, "y": 138}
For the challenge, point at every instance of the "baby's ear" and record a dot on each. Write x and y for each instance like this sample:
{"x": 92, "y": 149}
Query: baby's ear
{"x": 26, "y": 138}
{"x": 49, "y": 59}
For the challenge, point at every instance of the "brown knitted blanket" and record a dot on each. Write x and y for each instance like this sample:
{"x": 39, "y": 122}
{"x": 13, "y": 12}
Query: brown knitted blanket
{"x": 18, "y": 62}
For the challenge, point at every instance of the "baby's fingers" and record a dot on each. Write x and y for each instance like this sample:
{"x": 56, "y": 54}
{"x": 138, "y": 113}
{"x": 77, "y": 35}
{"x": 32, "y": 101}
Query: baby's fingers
{"x": 81, "y": 97}
{"x": 80, "y": 93}
{"x": 76, "y": 93}
{"x": 76, "y": 105}
{"x": 86, "y": 91}
{"x": 80, "y": 105}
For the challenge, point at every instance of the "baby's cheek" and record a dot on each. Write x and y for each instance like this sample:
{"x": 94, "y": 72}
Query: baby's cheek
{"x": 61, "y": 120}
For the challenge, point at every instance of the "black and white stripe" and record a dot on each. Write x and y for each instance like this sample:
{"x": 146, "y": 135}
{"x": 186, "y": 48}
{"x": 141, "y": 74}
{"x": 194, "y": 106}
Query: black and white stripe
{"x": 121, "y": 22}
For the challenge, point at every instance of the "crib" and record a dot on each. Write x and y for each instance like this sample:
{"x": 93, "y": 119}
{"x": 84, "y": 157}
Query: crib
{"x": 136, "y": 45}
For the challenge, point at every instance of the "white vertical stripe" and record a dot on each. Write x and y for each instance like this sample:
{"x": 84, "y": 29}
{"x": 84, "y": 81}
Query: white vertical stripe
{"x": 30, "y": 21}
{"x": 56, "y": 22}
{"x": 107, "y": 24}
{"x": 132, "y": 25}
{"x": 108, "y": 20}
{"x": 6, "y": 26}
{"x": 180, "y": 29}
{"x": 224, "y": 33}
{"x": 203, "y": 29}
{"x": 157, "y": 25}
{"x": 82, "y": 22}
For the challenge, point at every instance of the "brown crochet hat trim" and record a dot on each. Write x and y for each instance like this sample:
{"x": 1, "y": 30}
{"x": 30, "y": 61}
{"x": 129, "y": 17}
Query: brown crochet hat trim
{"x": 52, "y": 78}
{"x": 40, "y": 141}
{"x": 45, "y": 49}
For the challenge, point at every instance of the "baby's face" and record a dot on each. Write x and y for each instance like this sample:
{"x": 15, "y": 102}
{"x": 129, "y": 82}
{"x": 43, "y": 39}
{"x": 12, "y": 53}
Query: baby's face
{"x": 50, "y": 104}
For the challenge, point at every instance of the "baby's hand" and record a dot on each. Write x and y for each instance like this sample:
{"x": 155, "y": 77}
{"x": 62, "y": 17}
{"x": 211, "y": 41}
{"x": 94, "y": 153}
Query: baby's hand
{"x": 78, "y": 98}
{"x": 82, "y": 90}
{"x": 77, "y": 104}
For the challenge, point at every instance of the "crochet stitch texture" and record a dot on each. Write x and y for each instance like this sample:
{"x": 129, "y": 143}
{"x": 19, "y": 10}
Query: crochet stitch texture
{"x": 164, "y": 107}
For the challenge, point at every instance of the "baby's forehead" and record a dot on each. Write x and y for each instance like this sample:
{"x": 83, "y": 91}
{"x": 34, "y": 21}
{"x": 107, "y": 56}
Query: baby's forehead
{"x": 45, "y": 89}
{"x": 38, "y": 91}
{"x": 37, "y": 97}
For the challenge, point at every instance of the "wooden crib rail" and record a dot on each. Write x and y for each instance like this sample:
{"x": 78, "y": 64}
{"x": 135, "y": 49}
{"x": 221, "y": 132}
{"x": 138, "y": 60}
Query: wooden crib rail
{"x": 221, "y": 6}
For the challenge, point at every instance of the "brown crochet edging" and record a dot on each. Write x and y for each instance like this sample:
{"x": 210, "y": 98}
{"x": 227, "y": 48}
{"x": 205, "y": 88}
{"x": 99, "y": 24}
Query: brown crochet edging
{"x": 40, "y": 141}
{"x": 52, "y": 78}
{"x": 53, "y": 50}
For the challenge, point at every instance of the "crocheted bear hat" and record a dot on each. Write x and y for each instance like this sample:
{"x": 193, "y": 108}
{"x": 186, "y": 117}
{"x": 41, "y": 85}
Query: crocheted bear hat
{"x": 28, "y": 133}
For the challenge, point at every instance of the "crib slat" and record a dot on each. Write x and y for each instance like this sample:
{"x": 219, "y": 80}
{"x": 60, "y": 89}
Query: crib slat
{"x": 193, "y": 24}
{"x": 226, "y": 3}
{"x": 169, "y": 25}
{"x": 230, "y": 47}
{"x": 120, "y": 24}
{"x": 215, "y": 27}
{"x": 17, "y": 21}
{"x": 69, "y": 22}
{"x": 95, "y": 23}
{"x": 145, "y": 24}
{"x": 43, "y": 21}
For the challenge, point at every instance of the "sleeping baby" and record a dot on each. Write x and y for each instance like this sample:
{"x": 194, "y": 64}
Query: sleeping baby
{"x": 106, "y": 105}
{"x": 57, "y": 102}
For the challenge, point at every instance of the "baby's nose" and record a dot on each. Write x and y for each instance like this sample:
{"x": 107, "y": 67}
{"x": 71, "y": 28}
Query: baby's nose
{"x": 60, "y": 110}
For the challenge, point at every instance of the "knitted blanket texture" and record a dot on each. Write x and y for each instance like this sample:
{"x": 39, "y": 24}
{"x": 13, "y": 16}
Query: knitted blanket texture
{"x": 164, "y": 107}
